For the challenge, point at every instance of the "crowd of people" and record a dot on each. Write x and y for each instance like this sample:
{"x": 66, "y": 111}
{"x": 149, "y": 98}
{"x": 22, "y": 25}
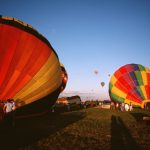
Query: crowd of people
{"x": 121, "y": 106}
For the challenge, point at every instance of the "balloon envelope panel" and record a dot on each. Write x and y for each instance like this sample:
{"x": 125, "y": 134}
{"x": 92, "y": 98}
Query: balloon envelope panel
{"x": 29, "y": 67}
{"x": 64, "y": 76}
{"x": 130, "y": 83}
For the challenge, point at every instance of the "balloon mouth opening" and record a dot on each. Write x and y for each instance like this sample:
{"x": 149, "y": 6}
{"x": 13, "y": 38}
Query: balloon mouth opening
{"x": 145, "y": 102}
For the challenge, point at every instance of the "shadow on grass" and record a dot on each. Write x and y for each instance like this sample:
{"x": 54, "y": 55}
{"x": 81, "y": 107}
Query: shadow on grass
{"x": 121, "y": 138}
{"x": 139, "y": 117}
{"x": 27, "y": 131}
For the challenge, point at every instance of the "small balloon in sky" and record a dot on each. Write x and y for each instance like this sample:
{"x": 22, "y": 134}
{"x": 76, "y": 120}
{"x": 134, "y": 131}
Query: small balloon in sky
{"x": 102, "y": 84}
{"x": 96, "y": 72}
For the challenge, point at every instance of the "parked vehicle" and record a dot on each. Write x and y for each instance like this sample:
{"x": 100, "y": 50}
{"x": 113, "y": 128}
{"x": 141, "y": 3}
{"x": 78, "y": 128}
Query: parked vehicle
{"x": 105, "y": 105}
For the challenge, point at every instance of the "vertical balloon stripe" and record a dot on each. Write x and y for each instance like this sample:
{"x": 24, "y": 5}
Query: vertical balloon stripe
{"x": 20, "y": 85}
{"x": 117, "y": 74}
{"x": 6, "y": 61}
{"x": 147, "y": 89}
{"x": 132, "y": 75}
{"x": 125, "y": 83}
{"x": 148, "y": 78}
{"x": 147, "y": 69}
{"x": 20, "y": 59}
{"x": 128, "y": 79}
{"x": 129, "y": 68}
{"x": 139, "y": 77}
{"x": 132, "y": 97}
{"x": 144, "y": 77}
{"x": 7, "y": 50}
{"x": 13, "y": 61}
{"x": 142, "y": 68}
{"x": 137, "y": 93}
{"x": 122, "y": 80}
{"x": 141, "y": 92}
{"x": 144, "y": 92}
{"x": 135, "y": 67}
{"x": 113, "y": 79}
{"x": 10, "y": 83}
{"x": 123, "y": 70}
{"x": 110, "y": 85}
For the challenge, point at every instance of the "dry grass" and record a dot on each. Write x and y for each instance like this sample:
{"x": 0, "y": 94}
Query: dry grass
{"x": 87, "y": 129}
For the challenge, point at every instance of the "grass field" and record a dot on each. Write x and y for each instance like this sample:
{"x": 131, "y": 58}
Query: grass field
{"x": 86, "y": 129}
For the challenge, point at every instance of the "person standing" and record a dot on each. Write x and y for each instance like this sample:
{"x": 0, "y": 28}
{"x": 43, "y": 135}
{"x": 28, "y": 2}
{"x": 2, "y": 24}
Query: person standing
{"x": 122, "y": 107}
{"x": 126, "y": 107}
{"x": 130, "y": 107}
{"x": 117, "y": 106}
{"x": 9, "y": 109}
{"x": 112, "y": 105}
{"x": 8, "y": 106}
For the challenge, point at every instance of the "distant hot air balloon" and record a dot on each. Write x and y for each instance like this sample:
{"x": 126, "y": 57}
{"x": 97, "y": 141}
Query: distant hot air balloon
{"x": 30, "y": 70}
{"x": 102, "y": 84}
{"x": 96, "y": 72}
{"x": 131, "y": 84}
{"x": 64, "y": 76}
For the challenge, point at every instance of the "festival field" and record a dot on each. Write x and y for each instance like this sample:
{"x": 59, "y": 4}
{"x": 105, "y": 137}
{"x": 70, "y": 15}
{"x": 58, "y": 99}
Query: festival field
{"x": 86, "y": 129}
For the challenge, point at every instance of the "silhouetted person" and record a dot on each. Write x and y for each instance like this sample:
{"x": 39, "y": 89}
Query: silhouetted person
{"x": 9, "y": 108}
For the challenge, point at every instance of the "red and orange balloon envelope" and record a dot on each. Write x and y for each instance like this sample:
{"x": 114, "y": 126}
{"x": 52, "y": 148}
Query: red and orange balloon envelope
{"x": 29, "y": 66}
{"x": 131, "y": 83}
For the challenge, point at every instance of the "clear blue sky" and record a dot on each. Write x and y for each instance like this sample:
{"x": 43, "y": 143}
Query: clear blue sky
{"x": 89, "y": 35}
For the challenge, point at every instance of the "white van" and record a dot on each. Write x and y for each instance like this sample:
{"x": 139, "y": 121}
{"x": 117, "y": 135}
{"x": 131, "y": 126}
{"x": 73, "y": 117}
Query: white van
{"x": 106, "y": 105}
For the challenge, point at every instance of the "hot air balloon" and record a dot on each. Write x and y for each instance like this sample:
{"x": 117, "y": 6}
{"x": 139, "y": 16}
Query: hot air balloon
{"x": 102, "y": 84}
{"x": 64, "y": 76}
{"x": 130, "y": 84}
{"x": 96, "y": 72}
{"x": 30, "y": 71}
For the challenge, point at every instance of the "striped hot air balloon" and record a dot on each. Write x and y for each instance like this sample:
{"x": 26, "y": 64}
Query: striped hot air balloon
{"x": 64, "y": 76}
{"x": 30, "y": 71}
{"x": 130, "y": 83}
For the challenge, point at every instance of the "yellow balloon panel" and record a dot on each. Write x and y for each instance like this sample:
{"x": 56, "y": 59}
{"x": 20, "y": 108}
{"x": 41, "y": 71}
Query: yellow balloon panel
{"x": 48, "y": 77}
